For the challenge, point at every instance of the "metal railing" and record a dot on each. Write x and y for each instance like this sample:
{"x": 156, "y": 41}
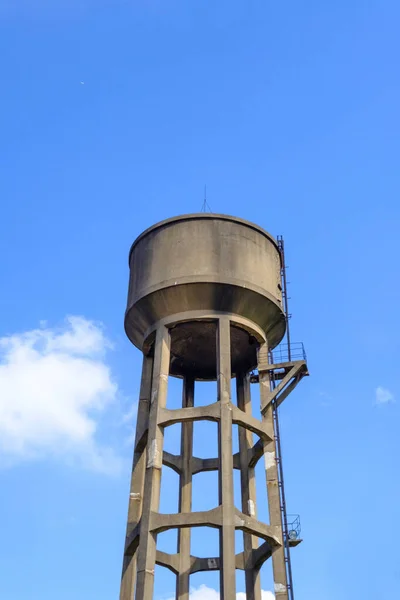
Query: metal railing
{"x": 285, "y": 353}
{"x": 294, "y": 527}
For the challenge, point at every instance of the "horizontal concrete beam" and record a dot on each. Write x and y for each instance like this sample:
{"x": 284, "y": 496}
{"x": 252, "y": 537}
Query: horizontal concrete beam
{"x": 260, "y": 555}
{"x": 197, "y": 564}
{"x": 248, "y": 422}
{"x": 213, "y": 518}
{"x": 250, "y": 525}
{"x": 167, "y": 417}
{"x": 169, "y": 561}
{"x": 204, "y": 564}
{"x": 213, "y": 564}
{"x": 162, "y": 522}
{"x": 212, "y": 412}
{"x": 173, "y": 461}
{"x": 199, "y": 465}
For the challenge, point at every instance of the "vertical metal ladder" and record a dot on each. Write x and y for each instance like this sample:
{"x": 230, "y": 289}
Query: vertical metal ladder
{"x": 288, "y": 564}
{"x": 278, "y": 448}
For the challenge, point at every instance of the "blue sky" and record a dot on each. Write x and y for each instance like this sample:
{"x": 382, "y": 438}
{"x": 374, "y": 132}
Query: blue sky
{"x": 114, "y": 115}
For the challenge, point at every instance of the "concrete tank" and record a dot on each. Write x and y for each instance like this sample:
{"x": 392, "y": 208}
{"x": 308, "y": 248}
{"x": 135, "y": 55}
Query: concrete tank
{"x": 201, "y": 263}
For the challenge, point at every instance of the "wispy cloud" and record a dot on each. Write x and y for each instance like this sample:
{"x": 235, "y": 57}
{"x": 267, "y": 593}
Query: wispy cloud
{"x": 206, "y": 593}
{"x": 55, "y": 384}
{"x": 264, "y": 596}
{"x": 325, "y": 399}
{"x": 383, "y": 396}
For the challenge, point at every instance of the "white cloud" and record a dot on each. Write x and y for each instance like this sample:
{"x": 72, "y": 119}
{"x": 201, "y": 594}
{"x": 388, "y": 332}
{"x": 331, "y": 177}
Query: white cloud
{"x": 206, "y": 593}
{"x": 383, "y": 396}
{"x": 264, "y": 596}
{"x": 54, "y": 384}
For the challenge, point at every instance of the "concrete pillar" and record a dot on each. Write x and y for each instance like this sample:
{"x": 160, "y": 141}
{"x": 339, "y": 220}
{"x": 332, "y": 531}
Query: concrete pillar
{"x": 226, "y": 499}
{"x": 137, "y": 479}
{"x": 185, "y": 494}
{"x": 147, "y": 545}
{"x": 274, "y": 501}
{"x": 248, "y": 487}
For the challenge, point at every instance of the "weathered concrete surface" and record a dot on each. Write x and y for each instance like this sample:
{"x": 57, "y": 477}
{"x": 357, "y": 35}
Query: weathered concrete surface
{"x": 128, "y": 581}
{"x": 147, "y": 546}
{"x": 204, "y": 262}
{"x": 248, "y": 488}
{"x": 225, "y": 485}
{"x": 271, "y": 470}
{"x": 185, "y": 494}
{"x": 205, "y": 303}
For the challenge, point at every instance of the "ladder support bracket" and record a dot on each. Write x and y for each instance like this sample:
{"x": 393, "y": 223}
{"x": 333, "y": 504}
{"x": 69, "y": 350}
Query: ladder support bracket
{"x": 295, "y": 371}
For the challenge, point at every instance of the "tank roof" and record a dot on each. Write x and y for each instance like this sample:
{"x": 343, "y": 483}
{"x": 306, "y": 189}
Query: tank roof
{"x": 194, "y": 216}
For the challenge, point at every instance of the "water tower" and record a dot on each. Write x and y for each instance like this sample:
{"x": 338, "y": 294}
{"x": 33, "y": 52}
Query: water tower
{"x": 207, "y": 301}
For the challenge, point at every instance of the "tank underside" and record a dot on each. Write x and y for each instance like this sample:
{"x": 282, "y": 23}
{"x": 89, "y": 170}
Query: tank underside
{"x": 194, "y": 350}
{"x": 193, "y": 342}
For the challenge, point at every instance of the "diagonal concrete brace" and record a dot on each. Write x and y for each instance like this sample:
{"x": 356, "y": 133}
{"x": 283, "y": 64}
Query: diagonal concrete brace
{"x": 295, "y": 371}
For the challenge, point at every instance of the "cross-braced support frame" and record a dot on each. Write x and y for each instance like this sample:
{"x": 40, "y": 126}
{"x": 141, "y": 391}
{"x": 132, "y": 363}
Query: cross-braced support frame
{"x": 145, "y": 521}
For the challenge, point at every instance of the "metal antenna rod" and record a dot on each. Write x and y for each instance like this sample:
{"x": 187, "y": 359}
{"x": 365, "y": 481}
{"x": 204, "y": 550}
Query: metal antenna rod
{"x": 205, "y": 206}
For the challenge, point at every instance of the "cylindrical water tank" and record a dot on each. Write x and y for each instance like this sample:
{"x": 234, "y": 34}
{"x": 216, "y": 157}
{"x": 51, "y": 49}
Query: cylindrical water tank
{"x": 204, "y": 262}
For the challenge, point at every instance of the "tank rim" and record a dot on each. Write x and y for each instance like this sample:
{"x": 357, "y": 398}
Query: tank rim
{"x": 194, "y": 216}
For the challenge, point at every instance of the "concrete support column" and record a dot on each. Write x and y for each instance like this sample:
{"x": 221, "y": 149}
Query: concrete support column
{"x": 137, "y": 480}
{"x": 185, "y": 494}
{"x": 274, "y": 501}
{"x": 226, "y": 499}
{"x": 147, "y": 544}
{"x": 248, "y": 487}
